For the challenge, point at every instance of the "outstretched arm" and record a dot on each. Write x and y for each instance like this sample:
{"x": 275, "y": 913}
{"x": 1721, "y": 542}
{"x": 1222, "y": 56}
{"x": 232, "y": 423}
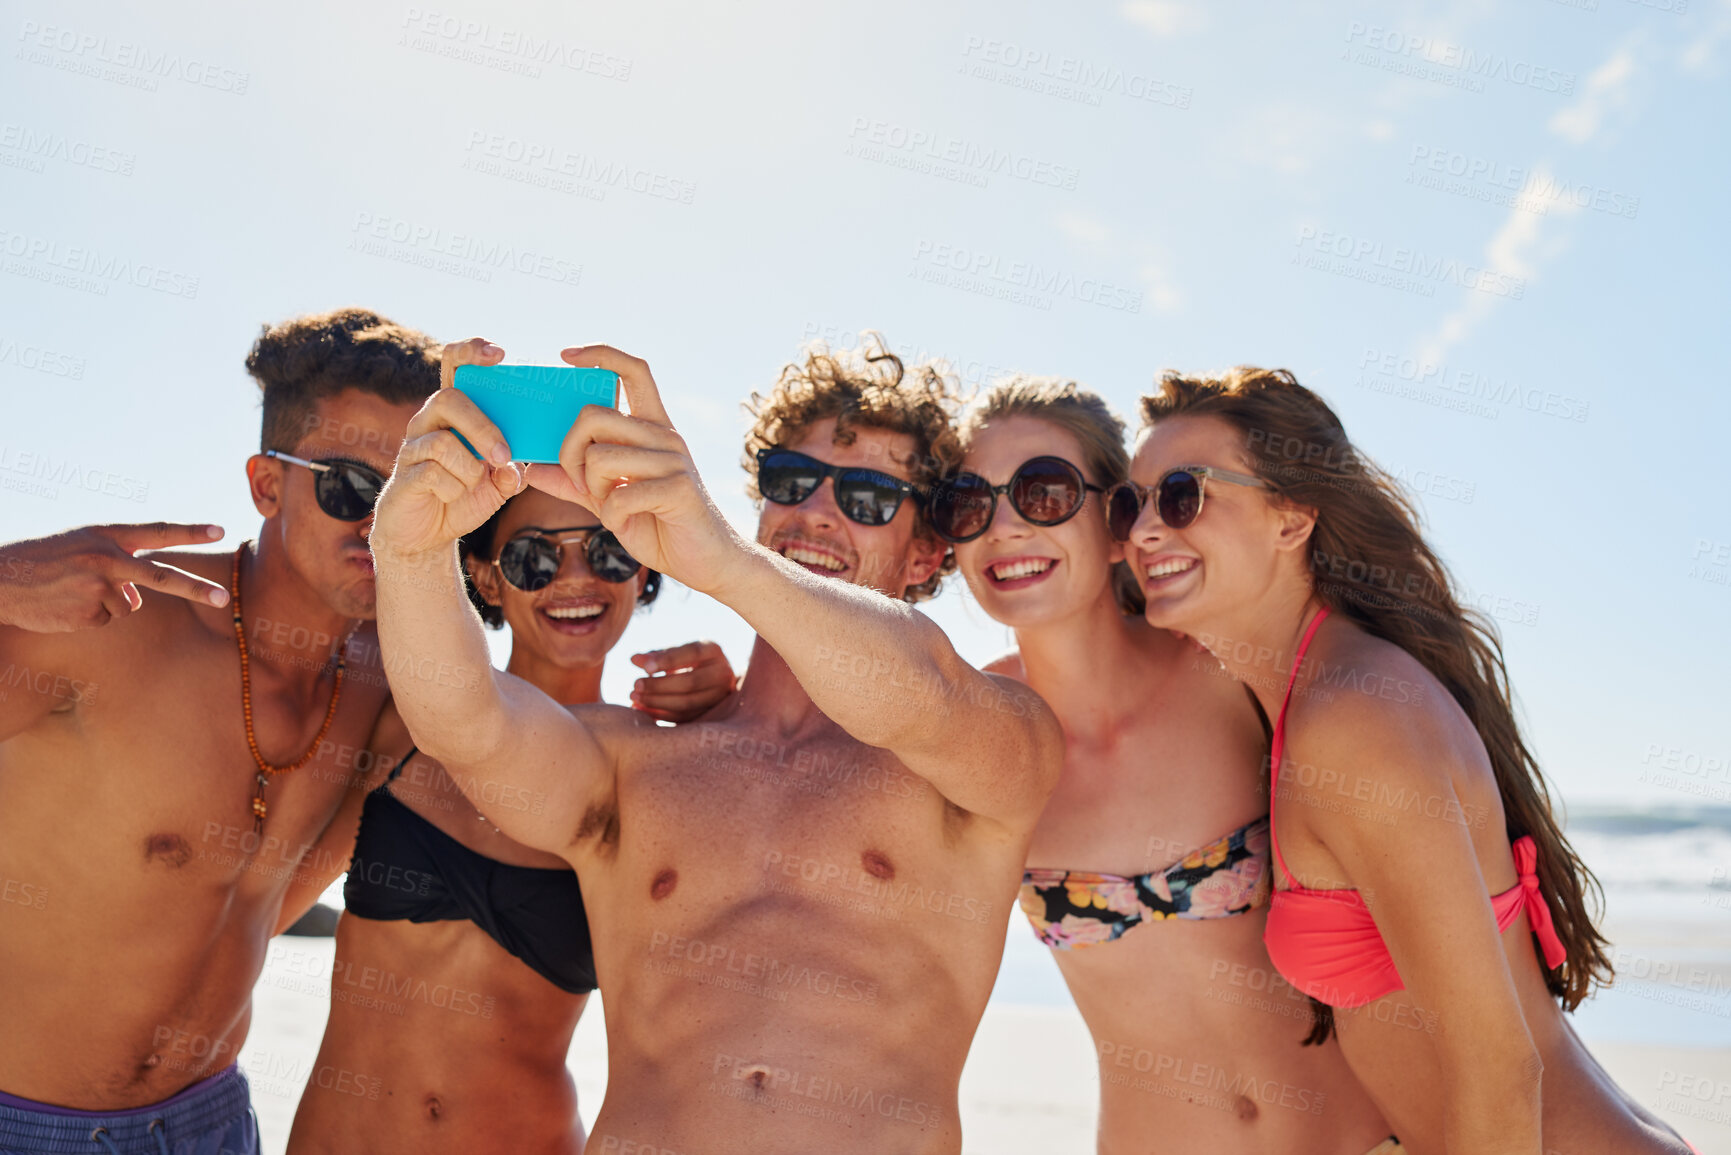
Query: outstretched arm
{"x": 489, "y": 728}
{"x": 885, "y": 672}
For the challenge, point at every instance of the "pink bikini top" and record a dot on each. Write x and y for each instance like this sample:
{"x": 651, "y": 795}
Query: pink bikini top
{"x": 1325, "y": 943}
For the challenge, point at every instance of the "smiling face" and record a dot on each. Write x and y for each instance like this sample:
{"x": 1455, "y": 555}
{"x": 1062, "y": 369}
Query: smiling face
{"x": 1023, "y": 574}
{"x": 817, "y": 535}
{"x": 577, "y": 618}
{"x": 1238, "y": 548}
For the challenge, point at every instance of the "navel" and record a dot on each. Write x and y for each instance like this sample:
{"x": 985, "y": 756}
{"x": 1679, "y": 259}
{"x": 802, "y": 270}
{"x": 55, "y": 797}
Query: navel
{"x": 1246, "y": 1108}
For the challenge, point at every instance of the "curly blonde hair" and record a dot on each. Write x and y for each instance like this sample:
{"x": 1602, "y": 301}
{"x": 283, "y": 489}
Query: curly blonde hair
{"x": 865, "y": 388}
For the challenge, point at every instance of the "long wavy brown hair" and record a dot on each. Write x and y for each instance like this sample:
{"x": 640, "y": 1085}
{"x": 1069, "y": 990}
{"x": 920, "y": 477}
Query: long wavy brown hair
{"x": 1370, "y": 562}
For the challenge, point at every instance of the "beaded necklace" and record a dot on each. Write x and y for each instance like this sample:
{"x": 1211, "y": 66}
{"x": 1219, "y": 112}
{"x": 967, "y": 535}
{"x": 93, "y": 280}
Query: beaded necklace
{"x": 265, "y": 769}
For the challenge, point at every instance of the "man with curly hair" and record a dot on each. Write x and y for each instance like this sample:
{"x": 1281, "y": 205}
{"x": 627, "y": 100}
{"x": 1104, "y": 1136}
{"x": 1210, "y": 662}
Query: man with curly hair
{"x": 799, "y": 902}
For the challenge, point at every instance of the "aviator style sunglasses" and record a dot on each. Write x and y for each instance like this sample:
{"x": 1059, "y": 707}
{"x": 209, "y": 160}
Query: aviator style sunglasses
{"x": 531, "y": 560}
{"x": 867, "y": 496}
{"x": 346, "y": 490}
{"x": 1045, "y": 491}
{"x": 1177, "y": 497}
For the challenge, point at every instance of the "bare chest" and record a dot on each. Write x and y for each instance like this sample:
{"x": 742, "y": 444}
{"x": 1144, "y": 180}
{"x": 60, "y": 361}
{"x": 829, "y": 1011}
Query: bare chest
{"x": 155, "y": 768}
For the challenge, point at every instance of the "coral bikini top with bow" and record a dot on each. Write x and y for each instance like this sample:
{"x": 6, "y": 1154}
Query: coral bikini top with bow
{"x": 1325, "y": 943}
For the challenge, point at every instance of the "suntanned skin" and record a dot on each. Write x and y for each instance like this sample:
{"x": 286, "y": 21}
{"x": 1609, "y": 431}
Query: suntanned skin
{"x": 770, "y": 984}
{"x": 1197, "y": 1038}
{"x": 485, "y": 1074}
{"x": 1474, "y": 1054}
{"x": 128, "y": 806}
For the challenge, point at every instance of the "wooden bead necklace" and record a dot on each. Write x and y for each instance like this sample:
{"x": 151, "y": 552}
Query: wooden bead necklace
{"x": 265, "y": 769}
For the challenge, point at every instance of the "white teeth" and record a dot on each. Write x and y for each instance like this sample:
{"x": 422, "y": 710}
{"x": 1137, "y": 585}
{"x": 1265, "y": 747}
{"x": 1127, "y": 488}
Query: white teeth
{"x": 566, "y": 612}
{"x": 1168, "y": 568}
{"x": 805, "y": 556}
{"x": 1021, "y": 569}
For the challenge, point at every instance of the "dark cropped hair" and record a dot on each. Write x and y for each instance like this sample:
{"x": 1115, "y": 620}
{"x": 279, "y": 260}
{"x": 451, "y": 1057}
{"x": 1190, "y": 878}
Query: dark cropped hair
{"x": 478, "y": 544}
{"x": 303, "y": 360}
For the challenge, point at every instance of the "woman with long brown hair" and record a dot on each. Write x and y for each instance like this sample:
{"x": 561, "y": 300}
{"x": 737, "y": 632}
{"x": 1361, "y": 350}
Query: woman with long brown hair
{"x": 1148, "y": 874}
{"x": 1424, "y": 891}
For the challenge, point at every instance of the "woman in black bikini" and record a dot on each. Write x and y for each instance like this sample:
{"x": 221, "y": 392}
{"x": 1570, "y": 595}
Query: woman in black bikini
{"x": 463, "y": 960}
{"x": 1148, "y": 873}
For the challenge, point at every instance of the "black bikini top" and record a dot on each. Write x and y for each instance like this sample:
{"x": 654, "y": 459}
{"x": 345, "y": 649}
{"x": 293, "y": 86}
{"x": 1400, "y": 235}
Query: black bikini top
{"x": 405, "y": 868}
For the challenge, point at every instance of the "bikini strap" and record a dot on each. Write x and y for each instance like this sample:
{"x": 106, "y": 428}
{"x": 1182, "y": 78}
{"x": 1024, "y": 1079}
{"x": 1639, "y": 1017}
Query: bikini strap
{"x": 1275, "y": 743}
{"x": 398, "y": 768}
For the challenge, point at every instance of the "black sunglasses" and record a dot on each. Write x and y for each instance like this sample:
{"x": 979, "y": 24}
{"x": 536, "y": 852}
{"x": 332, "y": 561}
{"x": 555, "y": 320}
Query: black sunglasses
{"x": 1045, "y": 491}
{"x": 867, "y": 496}
{"x": 1177, "y": 497}
{"x": 346, "y": 490}
{"x": 531, "y": 560}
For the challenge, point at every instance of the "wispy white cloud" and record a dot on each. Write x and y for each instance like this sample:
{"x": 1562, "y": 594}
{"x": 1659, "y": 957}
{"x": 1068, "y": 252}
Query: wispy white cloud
{"x": 1164, "y": 18}
{"x": 1518, "y": 250}
{"x": 1085, "y": 229}
{"x": 1163, "y": 295}
{"x": 1607, "y": 89}
{"x": 1701, "y": 54}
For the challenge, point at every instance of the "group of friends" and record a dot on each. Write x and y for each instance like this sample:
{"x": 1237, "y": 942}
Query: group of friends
{"x": 1251, "y": 772}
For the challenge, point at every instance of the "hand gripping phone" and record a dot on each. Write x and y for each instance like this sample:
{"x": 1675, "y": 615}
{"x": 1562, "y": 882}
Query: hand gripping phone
{"x": 534, "y": 406}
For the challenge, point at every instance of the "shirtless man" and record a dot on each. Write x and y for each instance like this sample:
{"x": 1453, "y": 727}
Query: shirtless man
{"x": 136, "y": 897}
{"x": 140, "y": 897}
{"x": 798, "y": 902}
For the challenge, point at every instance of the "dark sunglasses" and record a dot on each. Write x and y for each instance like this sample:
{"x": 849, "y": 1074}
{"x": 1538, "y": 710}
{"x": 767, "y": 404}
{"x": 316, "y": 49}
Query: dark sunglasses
{"x": 1177, "y": 497}
{"x": 531, "y": 560}
{"x": 346, "y": 490}
{"x": 1045, "y": 491}
{"x": 867, "y": 496}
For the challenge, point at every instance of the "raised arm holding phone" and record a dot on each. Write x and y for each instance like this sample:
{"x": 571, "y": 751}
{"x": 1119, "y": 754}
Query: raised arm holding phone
{"x": 798, "y": 904}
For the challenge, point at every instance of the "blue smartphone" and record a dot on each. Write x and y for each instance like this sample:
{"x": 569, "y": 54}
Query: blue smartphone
{"x": 534, "y": 406}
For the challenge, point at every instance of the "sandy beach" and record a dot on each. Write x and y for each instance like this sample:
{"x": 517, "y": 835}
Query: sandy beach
{"x": 1030, "y": 1083}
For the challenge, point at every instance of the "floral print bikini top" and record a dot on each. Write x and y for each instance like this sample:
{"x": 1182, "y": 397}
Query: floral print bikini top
{"x": 1076, "y": 908}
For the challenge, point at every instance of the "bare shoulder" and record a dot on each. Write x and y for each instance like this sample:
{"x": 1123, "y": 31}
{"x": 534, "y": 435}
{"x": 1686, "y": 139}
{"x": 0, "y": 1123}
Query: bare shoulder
{"x": 1370, "y": 711}
{"x": 1009, "y": 664}
{"x": 610, "y": 723}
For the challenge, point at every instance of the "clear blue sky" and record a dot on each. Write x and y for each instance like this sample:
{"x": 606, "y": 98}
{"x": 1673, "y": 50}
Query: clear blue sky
{"x": 1492, "y": 234}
